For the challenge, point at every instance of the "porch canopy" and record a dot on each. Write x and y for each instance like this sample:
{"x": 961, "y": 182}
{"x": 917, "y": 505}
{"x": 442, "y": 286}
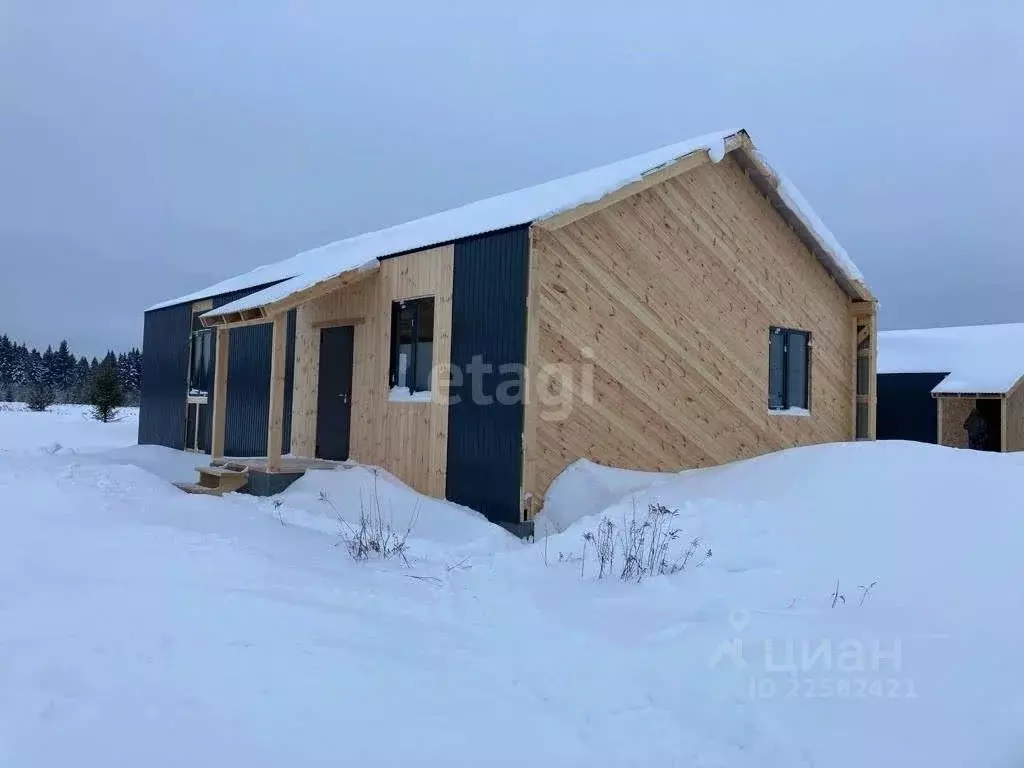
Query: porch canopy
{"x": 270, "y": 305}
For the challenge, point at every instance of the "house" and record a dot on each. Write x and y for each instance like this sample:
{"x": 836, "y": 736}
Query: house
{"x": 930, "y": 379}
{"x": 682, "y": 308}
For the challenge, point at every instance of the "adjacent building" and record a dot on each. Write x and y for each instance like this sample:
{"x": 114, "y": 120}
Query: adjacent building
{"x": 931, "y": 379}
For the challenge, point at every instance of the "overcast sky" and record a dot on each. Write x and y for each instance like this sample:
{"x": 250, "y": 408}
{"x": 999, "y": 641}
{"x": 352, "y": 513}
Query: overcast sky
{"x": 150, "y": 148}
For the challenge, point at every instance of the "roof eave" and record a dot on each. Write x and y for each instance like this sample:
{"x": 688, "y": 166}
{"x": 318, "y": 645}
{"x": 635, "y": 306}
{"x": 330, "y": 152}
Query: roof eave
{"x": 767, "y": 183}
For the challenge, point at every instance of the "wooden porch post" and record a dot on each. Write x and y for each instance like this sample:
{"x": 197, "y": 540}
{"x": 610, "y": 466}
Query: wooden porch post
{"x": 865, "y": 326}
{"x": 277, "y": 366}
{"x": 220, "y": 393}
{"x": 873, "y": 375}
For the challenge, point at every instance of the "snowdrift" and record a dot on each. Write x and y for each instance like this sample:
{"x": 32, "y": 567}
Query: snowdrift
{"x": 861, "y": 607}
{"x": 861, "y": 597}
{"x": 331, "y": 501}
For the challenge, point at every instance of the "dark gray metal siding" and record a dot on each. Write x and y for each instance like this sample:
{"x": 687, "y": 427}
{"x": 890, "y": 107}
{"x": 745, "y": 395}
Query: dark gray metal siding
{"x": 164, "y": 376}
{"x": 248, "y": 409}
{"x": 165, "y": 381}
{"x": 485, "y": 438}
{"x": 906, "y": 408}
{"x": 248, "y": 406}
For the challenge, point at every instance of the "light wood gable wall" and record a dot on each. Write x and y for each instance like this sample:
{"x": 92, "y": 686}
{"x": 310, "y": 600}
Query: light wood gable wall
{"x": 409, "y": 439}
{"x": 672, "y": 292}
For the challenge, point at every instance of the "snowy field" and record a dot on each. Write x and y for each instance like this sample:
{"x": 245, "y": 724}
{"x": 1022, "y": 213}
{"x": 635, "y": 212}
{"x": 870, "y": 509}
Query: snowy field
{"x": 143, "y": 626}
{"x": 63, "y": 428}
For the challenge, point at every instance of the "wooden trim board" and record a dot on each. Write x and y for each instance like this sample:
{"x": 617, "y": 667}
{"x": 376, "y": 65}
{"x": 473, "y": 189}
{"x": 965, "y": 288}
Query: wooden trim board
{"x": 680, "y": 166}
{"x": 277, "y": 377}
{"x": 220, "y": 393}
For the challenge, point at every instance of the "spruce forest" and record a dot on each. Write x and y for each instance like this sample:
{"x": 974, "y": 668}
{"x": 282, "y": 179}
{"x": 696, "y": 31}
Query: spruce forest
{"x": 24, "y": 371}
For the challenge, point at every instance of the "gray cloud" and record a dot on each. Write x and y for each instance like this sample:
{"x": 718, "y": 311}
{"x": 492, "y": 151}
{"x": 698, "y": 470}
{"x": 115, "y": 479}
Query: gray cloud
{"x": 150, "y": 148}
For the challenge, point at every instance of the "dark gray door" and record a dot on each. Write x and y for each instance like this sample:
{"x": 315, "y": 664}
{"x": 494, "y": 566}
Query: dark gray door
{"x": 334, "y": 398}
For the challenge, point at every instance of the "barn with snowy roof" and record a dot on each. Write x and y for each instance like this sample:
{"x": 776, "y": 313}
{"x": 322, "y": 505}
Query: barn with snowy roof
{"x": 682, "y": 308}
{"x": 930, "y": 379}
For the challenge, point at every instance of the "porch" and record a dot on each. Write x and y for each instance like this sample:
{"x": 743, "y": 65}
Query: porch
{"x": 351, "y": 348}
{"x": 254, "y": 476}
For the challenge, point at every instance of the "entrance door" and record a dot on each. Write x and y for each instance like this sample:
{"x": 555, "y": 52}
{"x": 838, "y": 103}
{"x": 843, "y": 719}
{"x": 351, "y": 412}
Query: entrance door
{"x": 334, "y": 397}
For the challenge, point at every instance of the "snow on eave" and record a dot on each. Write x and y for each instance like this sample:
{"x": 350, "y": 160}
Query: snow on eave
{"x": 799, "y": 214}
{"x": 280, "y": 291}
{"x": 525, "y": 206}
{"x": 264, "y": 275}
{"x": 974, "y": 359}
{"x": 957, "y": 384}
{"x": 512, "y": 209}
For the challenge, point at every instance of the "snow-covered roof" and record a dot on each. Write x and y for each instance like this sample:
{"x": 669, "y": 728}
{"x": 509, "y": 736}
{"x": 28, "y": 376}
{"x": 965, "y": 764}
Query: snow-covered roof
{"x": 524, "y": 206}
{"x": 981, "y": 359}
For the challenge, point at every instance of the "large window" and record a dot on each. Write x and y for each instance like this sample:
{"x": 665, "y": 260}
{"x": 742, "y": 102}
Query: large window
{"x": 412, "y": 345}
{"x": 200, "y": 359}
{"x": 789, "y": 370}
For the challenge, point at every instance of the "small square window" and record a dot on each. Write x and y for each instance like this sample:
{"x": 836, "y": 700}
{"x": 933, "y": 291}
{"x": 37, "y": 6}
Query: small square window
{"x": 789, "y": 369}
{"x": 412, "y": 344}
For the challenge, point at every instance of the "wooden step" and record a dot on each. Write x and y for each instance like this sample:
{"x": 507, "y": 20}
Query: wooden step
{"x": 200, "y": 489}
{"x": 218, "y": 480}
{"x": 228, "y": 464}
{"x": 223, "y": 471}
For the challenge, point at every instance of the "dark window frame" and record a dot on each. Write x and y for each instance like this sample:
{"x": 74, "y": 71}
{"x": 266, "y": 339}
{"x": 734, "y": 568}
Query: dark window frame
{"x": 785, "y": 396}
{"x": 206, "y": 335}
{"x": 415, "y": 308}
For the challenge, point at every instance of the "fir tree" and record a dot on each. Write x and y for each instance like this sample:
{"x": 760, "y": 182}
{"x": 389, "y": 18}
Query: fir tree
{"x": 19, "y": 365}
{"x": 80, "y": 380}
{"x": 62, "y": 367}
{"x": 40, "y": 396}
{"x": 6, "y": 363}
{"x": 47, "y": 369}
{"x": 105, "y": 394}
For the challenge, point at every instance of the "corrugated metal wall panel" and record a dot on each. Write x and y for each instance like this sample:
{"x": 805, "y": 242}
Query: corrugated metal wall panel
{"x": 164, "y": 376}
{"x": 485, "y": 438}
{"x": 165, "y": 381}
{"x": 248, "y": 407}
{"x": 248, "y": 404}
{"x": 906, "y": 408}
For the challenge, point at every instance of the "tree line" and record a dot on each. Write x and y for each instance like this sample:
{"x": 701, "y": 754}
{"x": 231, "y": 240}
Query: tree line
{"x": 57, "y": 375}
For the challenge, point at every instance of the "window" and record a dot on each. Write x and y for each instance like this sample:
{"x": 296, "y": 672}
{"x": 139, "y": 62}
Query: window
{"x": 412, "y": 344}
{"x": 789, "y": 369}
{"x": 200, "y": 358}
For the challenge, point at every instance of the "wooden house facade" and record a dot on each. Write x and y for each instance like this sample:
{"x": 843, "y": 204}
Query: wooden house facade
{"x": 680, "y": 309}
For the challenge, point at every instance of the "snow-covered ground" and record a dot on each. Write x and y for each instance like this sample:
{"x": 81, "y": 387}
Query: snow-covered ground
{"x": 140, "y": 625}
{"x": 63, "y": 428}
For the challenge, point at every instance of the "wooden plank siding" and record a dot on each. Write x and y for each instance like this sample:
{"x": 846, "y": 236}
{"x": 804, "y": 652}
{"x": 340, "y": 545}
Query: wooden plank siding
{"x": 1014, "y": 405}
{"x": 669, "y": 296}
{"x": 408, "y": 439}
{"x": 953, "y": 412}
